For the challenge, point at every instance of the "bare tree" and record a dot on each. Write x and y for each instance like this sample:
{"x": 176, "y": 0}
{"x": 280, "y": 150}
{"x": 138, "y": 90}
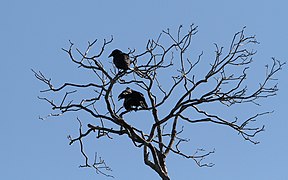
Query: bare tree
{"x": 166, "y": 74}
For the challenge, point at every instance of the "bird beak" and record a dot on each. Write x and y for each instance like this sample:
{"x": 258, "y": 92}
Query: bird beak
{"x": 110, "y": 55}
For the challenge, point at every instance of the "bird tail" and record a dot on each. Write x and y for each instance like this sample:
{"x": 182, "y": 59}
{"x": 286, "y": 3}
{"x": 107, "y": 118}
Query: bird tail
{"x": 143, "y": 104}
{"x": 137, "y": 71}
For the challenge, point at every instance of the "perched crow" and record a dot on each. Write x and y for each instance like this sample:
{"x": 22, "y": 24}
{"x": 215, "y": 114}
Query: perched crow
{"x": 120, "y": 59}
{"x": 132, "y": 99}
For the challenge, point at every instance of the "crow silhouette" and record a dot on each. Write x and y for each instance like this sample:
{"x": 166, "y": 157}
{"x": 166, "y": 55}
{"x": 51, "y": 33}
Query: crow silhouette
{"x": 132, "y": 99}
{"x": 120, "y": 59}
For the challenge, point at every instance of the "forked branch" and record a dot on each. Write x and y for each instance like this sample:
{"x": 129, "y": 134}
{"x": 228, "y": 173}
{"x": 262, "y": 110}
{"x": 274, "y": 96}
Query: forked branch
{"x": 165, "y": 73}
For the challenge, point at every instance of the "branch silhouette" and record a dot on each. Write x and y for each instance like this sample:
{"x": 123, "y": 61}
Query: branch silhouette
{"x": 166, "y": 74}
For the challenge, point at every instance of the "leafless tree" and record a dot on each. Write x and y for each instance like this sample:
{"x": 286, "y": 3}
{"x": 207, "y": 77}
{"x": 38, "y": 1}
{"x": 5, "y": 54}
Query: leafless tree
{"x": 175, "y": 90}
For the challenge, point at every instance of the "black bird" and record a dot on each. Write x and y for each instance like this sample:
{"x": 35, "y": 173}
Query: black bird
{"x": 120, "y": 59}
{"x": 132, "y": 99}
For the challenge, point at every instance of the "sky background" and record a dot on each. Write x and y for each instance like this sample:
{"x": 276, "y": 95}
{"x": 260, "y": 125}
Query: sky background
{"x": 32, "y": 35}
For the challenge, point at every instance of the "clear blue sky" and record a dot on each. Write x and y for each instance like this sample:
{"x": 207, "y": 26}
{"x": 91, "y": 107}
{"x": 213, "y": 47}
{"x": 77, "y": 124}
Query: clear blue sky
{"x": 32, "y": 35}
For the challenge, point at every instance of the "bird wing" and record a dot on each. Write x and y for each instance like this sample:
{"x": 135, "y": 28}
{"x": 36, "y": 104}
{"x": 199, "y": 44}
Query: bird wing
{"x": 127, "y": 59}
{"x": 140, "y": 98}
